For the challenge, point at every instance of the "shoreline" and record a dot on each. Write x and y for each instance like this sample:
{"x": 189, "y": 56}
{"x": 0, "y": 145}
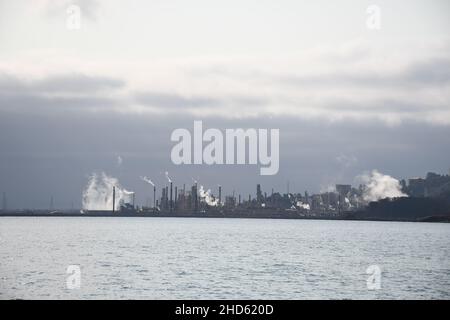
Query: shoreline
{"x": 110, "y": 214}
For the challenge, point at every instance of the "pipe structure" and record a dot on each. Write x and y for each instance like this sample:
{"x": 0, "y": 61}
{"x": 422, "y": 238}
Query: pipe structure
{"x": 114, "y": 200}
{"x": 171, "y": 202}
{"x": 176, "y": 198}
{"x": 196, "y": 197}
{"x": 166, "y": 205}
{"x": 154, "y": 198}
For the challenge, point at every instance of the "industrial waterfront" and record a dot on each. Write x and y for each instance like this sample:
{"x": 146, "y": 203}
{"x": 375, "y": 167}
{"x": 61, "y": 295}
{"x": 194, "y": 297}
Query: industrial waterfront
{"x": 418, "y": 199}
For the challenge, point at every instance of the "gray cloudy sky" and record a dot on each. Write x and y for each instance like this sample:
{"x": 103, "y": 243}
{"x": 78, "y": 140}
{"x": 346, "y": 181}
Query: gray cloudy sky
{"x": 346, "y": 99}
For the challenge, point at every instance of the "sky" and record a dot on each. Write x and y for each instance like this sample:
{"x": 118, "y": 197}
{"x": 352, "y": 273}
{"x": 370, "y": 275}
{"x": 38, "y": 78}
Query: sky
{"x": 106, "y": 97}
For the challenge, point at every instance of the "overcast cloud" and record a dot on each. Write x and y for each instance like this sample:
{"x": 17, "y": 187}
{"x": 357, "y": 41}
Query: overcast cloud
{"x": 346, "y": 99}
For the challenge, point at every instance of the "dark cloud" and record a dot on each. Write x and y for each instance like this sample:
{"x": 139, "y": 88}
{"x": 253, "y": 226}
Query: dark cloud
{"x": 50, "y": 140}
{"x": 382, "y": 106}
{"x": 78, "y": 83}
{"x": 65, "y": 83}
{"x": 32, "y": 103}
{"x": 165, "y": 100}
{"x": 177, "y": 101}
{"x": 430, "y": 72}
{"x": 44, "y": 155}
{"x": 434, "y": 72}
{"x": 60, "y": 93}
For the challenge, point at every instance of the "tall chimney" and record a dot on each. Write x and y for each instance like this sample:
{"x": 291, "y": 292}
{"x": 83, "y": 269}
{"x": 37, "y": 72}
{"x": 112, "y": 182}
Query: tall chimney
{"x": 154, "y": 197}
{"x": 220, "y": 195}
{"x": 166, "y": 200}
{"x": 196, "y": 198}
{"x": 114, "y": 200}
{"x": 171, "y": 203}
{"x": 176, "y": 197}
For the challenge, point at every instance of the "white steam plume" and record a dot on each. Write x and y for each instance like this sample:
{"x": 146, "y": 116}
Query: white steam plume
{"x": 207, "y": 197}
{"x": 98, "y": 193}
{"x": 119, "y": 161}
{"x": 379, "y": 186}
{"x": 167, "y": 176}
{"x": 147, "y": 180}
{"x": 302, "y": 205}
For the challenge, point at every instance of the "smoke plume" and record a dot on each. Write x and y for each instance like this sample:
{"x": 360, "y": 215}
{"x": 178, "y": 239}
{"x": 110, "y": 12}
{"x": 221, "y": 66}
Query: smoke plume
{"x": 207, "y": 197}
{"x": 167, "y": 176}
{"x": 379, "y": 186}
{"x": 98, "y": 193}
{"x": 147, "y": 180}
{"x": 119, "y": 161}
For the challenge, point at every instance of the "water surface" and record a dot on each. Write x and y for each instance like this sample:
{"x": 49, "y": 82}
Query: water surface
{"x": 172, "y": 258}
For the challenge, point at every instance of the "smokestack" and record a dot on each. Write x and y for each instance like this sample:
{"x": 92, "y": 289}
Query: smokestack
{"x": 171, "y": 203}
{"x": 176, "y": 198}
{"x": 239, "y": 199}
{"x": 154, "y": 197}
{"x": 163, "y": 198}
{"x": 339, "y": 204}
{"x": 134, "y": 199}
{"x": 220, "y": 195}
{"x": 196, "y": 198}
{"x": 166, "y": 200}
{"x": 114, "y": 200}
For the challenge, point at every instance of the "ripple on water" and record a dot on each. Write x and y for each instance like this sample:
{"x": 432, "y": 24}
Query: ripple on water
{"x": 224, "y": 258}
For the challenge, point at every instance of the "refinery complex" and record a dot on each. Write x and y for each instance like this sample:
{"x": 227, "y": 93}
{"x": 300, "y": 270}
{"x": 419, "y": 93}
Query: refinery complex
{"x": 382, "y": 198}
{"x": 344, "y": 201}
